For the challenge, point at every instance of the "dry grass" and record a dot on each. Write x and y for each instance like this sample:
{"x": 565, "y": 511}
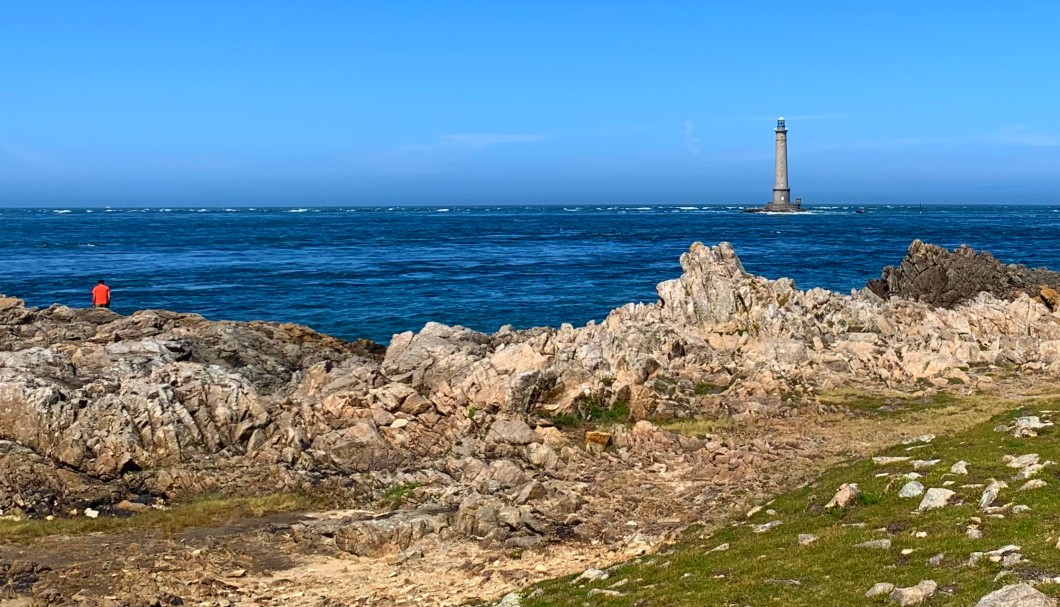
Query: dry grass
{"x": 697, "y": 427}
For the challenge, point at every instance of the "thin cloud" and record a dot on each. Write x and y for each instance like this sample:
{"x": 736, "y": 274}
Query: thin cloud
{"x": 691, "y": 141}
{"x": 477, "y": 141}
{"x": 26, "y": 155}
{"x": 1021, "y": 134}
{"x": 473, "y": 141}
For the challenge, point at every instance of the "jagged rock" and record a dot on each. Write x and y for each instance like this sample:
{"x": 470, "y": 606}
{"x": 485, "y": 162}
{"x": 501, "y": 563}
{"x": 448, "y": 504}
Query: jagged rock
{"x": 1016, "y": 595}
{"x": 945, "y": 278}
{"x": 173, "y": 404}
{"x": 512, "y": 432}
{"x": 960, "y": 467}
{"x": 1029, "y": 425}
{"x": 597, "y": 441}
{"x": 1028, "y": 459}
{"x": 846, "y": 496}
{"x": 991, "y": 492}
{"x": 1050, "y": 297}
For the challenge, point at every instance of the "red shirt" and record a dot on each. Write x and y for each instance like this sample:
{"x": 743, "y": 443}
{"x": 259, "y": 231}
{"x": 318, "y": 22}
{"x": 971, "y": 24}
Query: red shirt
{"x": 101, "y": 295}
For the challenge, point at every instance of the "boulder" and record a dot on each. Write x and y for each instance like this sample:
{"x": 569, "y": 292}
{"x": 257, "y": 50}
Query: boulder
{"x": 1016, "y": 595}
{"x": 846, "y": 496}
{"x": 911, "y": 489}
{"x": 935, "y": 498}
{"x": 914, "y": 595}
{"x": 511, "y": 432}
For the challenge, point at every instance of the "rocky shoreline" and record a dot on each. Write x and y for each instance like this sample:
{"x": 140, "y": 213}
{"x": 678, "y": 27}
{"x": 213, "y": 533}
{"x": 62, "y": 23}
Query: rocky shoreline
{"x": 505, "y": 440}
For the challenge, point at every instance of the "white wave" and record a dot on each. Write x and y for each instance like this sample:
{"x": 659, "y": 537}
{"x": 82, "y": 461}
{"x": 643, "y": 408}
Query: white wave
{"x": 298, "y": 211}
{"x": 230, "y": 210}
{"x": 687, "y": 208}
{"x": 442, "y": 210}
{"x": 203, "y": 211}
{"x": 62, "y": 212}
{"x": 641, "y": 208}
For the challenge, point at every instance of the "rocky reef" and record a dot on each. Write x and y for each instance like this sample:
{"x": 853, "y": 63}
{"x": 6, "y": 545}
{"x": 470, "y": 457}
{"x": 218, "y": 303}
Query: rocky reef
{"x": 96, "y": 408}
{"x": 945, "y": 278}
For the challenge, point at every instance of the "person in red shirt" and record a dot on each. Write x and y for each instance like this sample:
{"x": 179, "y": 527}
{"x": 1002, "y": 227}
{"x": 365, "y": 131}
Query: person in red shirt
{"x": 101, "y": 295}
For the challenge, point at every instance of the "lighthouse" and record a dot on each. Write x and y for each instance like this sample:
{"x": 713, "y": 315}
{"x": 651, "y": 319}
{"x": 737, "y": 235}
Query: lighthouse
{"x": 781, "y": 192}
{"x": 781, "y": 201}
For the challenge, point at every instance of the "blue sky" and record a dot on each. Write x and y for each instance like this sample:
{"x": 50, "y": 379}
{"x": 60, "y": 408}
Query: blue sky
{"x": 256, "y": 103}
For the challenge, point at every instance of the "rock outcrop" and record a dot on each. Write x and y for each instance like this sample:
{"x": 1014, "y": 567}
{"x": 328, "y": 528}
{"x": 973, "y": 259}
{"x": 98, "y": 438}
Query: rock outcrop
{"x": 96, "y": 407}
{"x": 934, "y": 275}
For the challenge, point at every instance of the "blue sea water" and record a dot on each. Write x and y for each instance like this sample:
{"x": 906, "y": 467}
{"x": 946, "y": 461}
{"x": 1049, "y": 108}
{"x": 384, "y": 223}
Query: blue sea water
{"x": 373, "y": 272}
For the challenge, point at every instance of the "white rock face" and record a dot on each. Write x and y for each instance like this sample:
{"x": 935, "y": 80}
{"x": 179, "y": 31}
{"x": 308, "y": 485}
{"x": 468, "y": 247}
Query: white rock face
{"x": 1016, "y": 595}
{"x": 935, "y": 498}
{"x": 960, "y": 467}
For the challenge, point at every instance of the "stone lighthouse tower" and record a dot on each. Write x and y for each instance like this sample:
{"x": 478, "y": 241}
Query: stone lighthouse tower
{"x": 781, "y": 202}
{"x": 781, "y": 192}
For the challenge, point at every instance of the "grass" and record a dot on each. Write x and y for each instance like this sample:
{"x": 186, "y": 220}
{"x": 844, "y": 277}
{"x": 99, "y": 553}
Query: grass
{"x": 771, "y": 568}
{"x": 204, "y": 511}
{"x": 591, "y": 411}
{"x": 884, "y": 403}
{"x": 704, "y": 388}
{"x": 396, "y": 496}
{"x": 696, "y": 427}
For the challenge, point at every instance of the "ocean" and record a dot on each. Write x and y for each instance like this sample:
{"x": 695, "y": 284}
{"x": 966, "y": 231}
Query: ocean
{"x": 373, "y": 272}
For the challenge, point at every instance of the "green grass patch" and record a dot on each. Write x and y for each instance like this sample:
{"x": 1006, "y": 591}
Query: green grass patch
{"x": 592, "y": 412}
{"x": 396, "y": 496}
{"x": 884, "y": 404}
{"x": 204, "y": 511}
{"x": 705, "y": 388}
{"x": 696, "y": 427}
{"x": 771, "y": 568}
